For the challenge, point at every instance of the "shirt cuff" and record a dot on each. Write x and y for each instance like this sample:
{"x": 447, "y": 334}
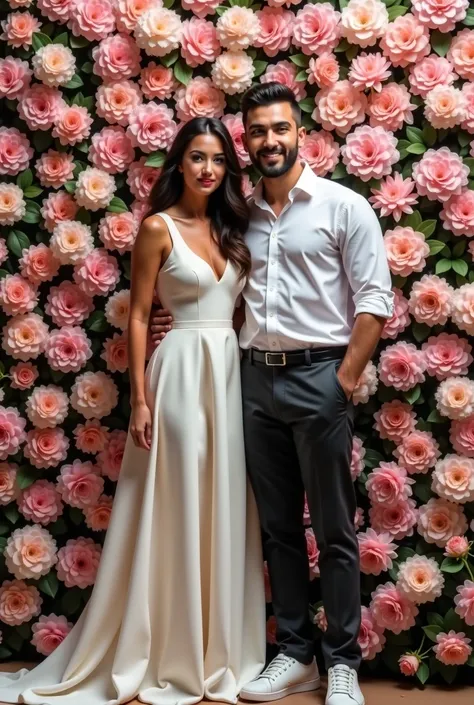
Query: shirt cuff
{"x": 377, "y": 304}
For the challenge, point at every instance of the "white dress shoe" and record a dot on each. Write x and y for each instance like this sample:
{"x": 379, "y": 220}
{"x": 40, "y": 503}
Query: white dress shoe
{"x": 343, "y": 686}
{"x": 282, "y": 677}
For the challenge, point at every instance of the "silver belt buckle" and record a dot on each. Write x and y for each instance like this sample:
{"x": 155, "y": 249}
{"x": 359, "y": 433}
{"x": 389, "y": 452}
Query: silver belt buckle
{"x": 281, "y": 356}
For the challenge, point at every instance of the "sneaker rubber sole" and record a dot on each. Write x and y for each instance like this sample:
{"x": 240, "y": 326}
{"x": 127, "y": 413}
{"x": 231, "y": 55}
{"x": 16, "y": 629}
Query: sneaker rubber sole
{"x": 278, "y": 694}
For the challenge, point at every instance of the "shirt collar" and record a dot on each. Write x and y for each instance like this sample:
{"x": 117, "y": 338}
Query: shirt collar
{"x": 307, "y": 184}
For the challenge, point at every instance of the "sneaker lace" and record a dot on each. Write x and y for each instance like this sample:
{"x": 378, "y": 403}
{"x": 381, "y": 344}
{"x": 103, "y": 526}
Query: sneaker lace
{"x": 342, "y": 681}
{"x": 279, "y": 665}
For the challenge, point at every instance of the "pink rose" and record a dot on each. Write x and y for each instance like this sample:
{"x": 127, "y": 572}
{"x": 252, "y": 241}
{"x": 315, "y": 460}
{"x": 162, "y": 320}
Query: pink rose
{"x": 12, "y": 431}
{"x": 158, "y": 31}
{"x": 447, "y": 355}
{"x": 440, "y": 520}
{"x": 359, "y": 519}
{"x": 458, "y": 214}
{"x": 313, "y": 553}
{"x": 141, "y": 178}
{"x": 323, "y": 70}
{"x": 364, "y": 22}
{"x": 80, "y": 484}
{"x": 394, "y": 196}
{"x": 389, "y": 485}
{"x": 377, "y": 552}
{"x": 391, "y": 107}
{"x": 409, "y": 664}
{"x": 68, "y": 349}
{"x": 445, "y": 107}
{"x": 55, "y": 168}
{"x": 72, "y": 125}
{"x": 98, "y": 515}
{"x": 24, "y": 336}
{"x": 117, "y": 309}
{"x": 23, "y": 375}
{"x": 366, "y": 384}
{"x": 357, "y": 460}
{"x": 199, "y": 42}
{"x": 320, "y": 619}
{"x": 54, "y": 64}
{"x": 321, "y": 152}
{"x": 455, "y": 398}
{"x": 15, "y": 151}
{"x": 17, "y": 295}
{"x": 369, "y": 71}
{"x": 464, "y": 602}
{"x": 12, "y": 204}
{"x": 30, "y": 552}
{"x": 406, "y": 41}
{"x": 440, "y": 174}
{"x": 432, "y": 71}
{"x": 49, "y": 632}
{"x": 430, "y": 300}
{"x": 40, "y": 106}
{"x": 115, "y": 101}
{"x": 443, "y": 15}
{"x": 397, "y": 520}
{"x": 457, "y": 547}
{"x": 399, "y": 319}
{"x": 461, "y": 436}
{"x": 4, "y": 254}
{"x": 238, "y": 28}
{"x": 18, "y": 29}
{"x": 395, "y": 420}
{"x": 55, "y": 10}
{"x": 340, "y": 107}
{"x": 46, "y": 447}
{"x": 115, "y": 353}
{"x": 58, "y": 207}
{"x": 233, "y": 71}
{"x": 92, "y": 19}
{"x": 317, "y": 28}
{"x": 371, "y": 638}
{"x": 41, "y": 503}
{"x": 401, "y": 366}
{"x": 128, "y": 12}
{"x": 19, "y": 602}
{"x": 200, "y": 98}
{"x": 235, "y": 127}
{"x": 151, "y": 126}
{"x": 452, "y": 649}
{"x": 417, "y": 452}
{"x": 110, "y": 459}
{"x": 461, "y": 54}
{"x": 201, "y": 8}
{"x": 95, "y": 189}
{"x": 463, "y": 308}
{"x": 406, "y": 250}
{"x": 276, "y": 25}
{"x": 68, "y": 305}
{"x": 286, "y": 73}
{"x": 47, "y": 406}
{"x": 453, "y": 479}
{"x": 420, "y": 579}
{"x": 94, "y": 395}
{"x": 157, "y": 81}
{"x": 9, "y": 489}
{"x": 98, "y": 274}
{"x": 392, "y": 610}
{"x": 15, "y": 77}
{"x": 370, "y": 152}
{"x": 118, "y": 231}
{"x": 91, "y": 436}
{"x": 111, "y": 150}
{"x": 116, "y": 57}
{"x": 78, "y": 562}
{"x": 468, "y": 119}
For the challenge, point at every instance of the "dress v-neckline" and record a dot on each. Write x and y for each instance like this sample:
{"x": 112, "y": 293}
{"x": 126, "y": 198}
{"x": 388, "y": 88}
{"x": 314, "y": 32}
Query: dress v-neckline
{"x": 218, "y": 281}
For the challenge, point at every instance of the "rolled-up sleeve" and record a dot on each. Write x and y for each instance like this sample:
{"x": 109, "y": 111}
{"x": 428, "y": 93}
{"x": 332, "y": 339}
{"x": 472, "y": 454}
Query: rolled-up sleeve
{"x": 364, "y": 258}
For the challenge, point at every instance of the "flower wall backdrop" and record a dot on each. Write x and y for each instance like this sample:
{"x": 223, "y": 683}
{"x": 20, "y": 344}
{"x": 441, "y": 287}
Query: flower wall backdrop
{"x": 92, "y": 93}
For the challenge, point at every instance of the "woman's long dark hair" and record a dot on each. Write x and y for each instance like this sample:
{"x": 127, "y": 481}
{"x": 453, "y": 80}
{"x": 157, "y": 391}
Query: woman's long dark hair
{"x": 227, "y": 208}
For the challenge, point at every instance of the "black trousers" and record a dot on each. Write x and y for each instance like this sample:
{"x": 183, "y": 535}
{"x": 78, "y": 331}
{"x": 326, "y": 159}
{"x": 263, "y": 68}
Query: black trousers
{"x": 298, "y": 435}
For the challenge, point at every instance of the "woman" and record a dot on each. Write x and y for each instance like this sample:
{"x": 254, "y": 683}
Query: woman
{"x": 177, "y": 611}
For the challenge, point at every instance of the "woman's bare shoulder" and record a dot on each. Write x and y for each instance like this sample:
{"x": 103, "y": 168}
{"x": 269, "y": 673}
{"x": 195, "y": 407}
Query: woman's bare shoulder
{"x": 154, "y": 228}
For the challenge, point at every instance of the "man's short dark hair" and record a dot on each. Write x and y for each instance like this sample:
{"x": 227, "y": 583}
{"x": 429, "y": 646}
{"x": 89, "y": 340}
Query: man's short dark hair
{"x": 262, "y": 94}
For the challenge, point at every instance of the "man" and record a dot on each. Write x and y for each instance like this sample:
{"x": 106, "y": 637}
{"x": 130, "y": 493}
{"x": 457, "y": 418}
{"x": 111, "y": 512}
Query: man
{"x": 315, "y": 305}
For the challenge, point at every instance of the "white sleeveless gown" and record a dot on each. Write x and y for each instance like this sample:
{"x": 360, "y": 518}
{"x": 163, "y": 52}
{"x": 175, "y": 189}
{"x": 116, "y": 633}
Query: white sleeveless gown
{"x": 177, "y": 612}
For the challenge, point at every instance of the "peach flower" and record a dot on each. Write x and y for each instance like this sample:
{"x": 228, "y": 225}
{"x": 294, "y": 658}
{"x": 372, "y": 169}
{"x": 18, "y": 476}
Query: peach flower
{"x": 323, "y": 70}
{"x": 453, "y": 648}
{"x": 116, "y": 57}
{"x": 432, "y": 71}
{"x": 24, "y": 336}
{"x": 94, "y": 395}
{"x": 30, "y": 552}
{"x": 238, "y": 28}
{"x": 200, "y": 98}
{"x": 47, "y": 406}
{"x": 369, "y": 71}
{"x": 236, "y": 129}
{"x": 157, "y": 81}
{"x": 397, "y": 520}
{"x": 357, "y": 459}
{"x": 340, "y": 107}
{"x": 455, "y": 397}
{"x": 453, "y": 479}
{"x": 430, "y": 300}
{"x": 458, "y": 214}
{"x": 276, "y": 29}
{"x": 80, "y": 484}
{"x": 364, "y": 22}
{"x": 15, "y": 151}
{"x": 23, "y": 375}
{"x": 111, "y": 150}
{"x": 447, "y": 355}
{"x": 18, "y": 29}
{"x": 420, "y": 579}
{"x": 40, "y": 106}
{"x": 15, "y": 77}
{"x": 370, "y": 152}
{"x": 17, "y": 295}
{"x": 115, "y": 101}
{"x": 313, "y": 554}
{"x": 233, "y": 72}
{"x": 71, "y": 242}
{"x": 440, "y": 14}
{"x": 400, "y": 319}
{"x": 9, "y": 489}
{"x": 366, "y": 384}
{"x": 19, "y": 602}
{"x": 12, "y": 204}
{"x": 394, "y": 420}
{"x": 376, "y": 551}
{"x": 55, "y": 168}
{"x": 440, "y": 174}
{"x": 46, "y": 447}
{"x": 91, "y": 436}
{"x": 401, "y": 366}
{"x": 118, "y": 231}
{"x": 417, "y": 452}
{"x": 117, "y": 309}
{"x": 320, "y": 619}
{"x": 461, "y": 54}
{"x": 98, "y": 274}
{"x": 68, "y": 349}
{"x": 200, "y": 8}
{"x": 406, "y": 250}
{"x": 58, "y": 207}
{"x": 286, "y": 73}
{"x": 54, "y": 64}
{"x": 158, "y": 31}
{"x": 389, "y": 485}
{"x": 92, "y": 19}
{"x": 461, "y": 436}
{"x": 49, "y": 632}
{"x": 392, "y": 610}
{"x": 98, "y": 515}
{"x": 115, "y": 353}
{"x": 199, "y": 42}
{"x": 457, "y": 547}
{"x": 371, "y": 638}
{"x": 464, "y": 602}
{"x": 151, "y": 127}
{"x": 468, "y": 120}
{"x": 406, "y": 41}
{"x": 440, "y": 520}
{"x": 445, "y": 107}
{"x": 463, "y": 308}
{"x": 78, "y": 562}
{"x": 409, "y": 664}
{"x": 391, "y": 107}
{"x": 41, "y": 503}
{"x": 95, "y": 189}
{"x": 317, "y": 28}
{"x": 127, "y": 12}
{"x": 68, "y": 305}
{"x": 72, "y": 125}
{"x": 321, "y": 152}
{"x": 394, "y": 196}
{"x": 55, "y": 10}
{"x": 110, "y": 459}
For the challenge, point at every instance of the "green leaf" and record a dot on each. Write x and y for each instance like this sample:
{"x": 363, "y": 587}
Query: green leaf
{"x": 62, "y": 39}
{"x": 171, "y": 58}
{"x": 3, "y": 273}
{"x": 117, "y": 205}
{"x": 157, "y": 159}
{"x": 71, "y": 601}
{"x": 78, "y": 42}
{"x": 423, "y": 672}
{"x": 40, "y": 40}
{"x": 25, "y": 477}
{"x": 429, "y": 135}
{"x": 182, "y": 72}
{"x": 396, "y": 11}
{"x": 435, "y": 246}
{"x": 343, "y": 46}
{"x": 307, "y": 105}
{"x": 58, "y": 528}
{"x": 260, "y": 67}
{"x": 339, "y": 172}
{"x": 351, "y": 53}
{"x": 435, "y": 417}
{"x": 11, "y": 513}
{"x": 440, "y": 42}
{"x": 76, "y": 516}
{"x": 17, "y": 241}
{"x": 464, "y": 139}
{"x": 444, "y": 265}
{"x": 436, "y": 619}
{"x": 432, "y": 631}
{"x": 70, "y": 186}
{"x": 49, "y": 584}
{"x": 75, "y": 82}
{"x": 427, "y": 227}
{"x": 412, "y": 395}
{"x": 420, "y": 331}
{"x": 402, "y": 148}
{"x": 469, "y": 19}
{"x": 4, "y": 652}
{"x": 460, "y": 267}
{"x": 416, "y": 148}
{"x": 168, "y": 4}
{"x": 87, "y": 67}
{"x": 413, "y": 220}
{"x": 300, "y": 60}
{"x": 83, "y": 216}
{"x": 25, "y": 179}
{"x": 42, "y": 140}
{"x": 32, "y": 191}
{"x": 414, "y": 134}
{"x": 97, "y": 322}
{"x": 470, "y": 661}
{"x": 302, "y": 75}
{"x": 15, "y": 641}
{"x": 372, "y": 458}
{"x": 33, "y": 213}
{"x": 459, "y": 249}
{"x": 451, "y": 565}
{"x": 449, "y": 673}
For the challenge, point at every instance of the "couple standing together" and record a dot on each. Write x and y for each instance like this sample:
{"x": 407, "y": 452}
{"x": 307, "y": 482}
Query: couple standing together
{"x": 177, "y": 613}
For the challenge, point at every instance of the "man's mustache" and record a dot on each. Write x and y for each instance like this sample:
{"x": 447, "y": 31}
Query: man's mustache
{"x": 270, "y": 153}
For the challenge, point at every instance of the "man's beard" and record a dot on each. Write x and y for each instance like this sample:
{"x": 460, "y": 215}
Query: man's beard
{"x": 272, "y": 172}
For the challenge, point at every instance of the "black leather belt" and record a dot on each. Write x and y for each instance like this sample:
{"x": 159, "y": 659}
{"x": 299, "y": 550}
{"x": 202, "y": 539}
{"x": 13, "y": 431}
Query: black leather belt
{"x": 296, "y": 357}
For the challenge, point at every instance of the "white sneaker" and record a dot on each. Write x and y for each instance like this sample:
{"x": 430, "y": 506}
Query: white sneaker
{"x": 282, "y": 677}
{"x": 343, "y": 686}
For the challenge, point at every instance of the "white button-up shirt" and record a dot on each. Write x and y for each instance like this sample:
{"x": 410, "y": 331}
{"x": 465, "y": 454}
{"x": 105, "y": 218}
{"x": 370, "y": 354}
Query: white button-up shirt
{"x": 315, "y": 267}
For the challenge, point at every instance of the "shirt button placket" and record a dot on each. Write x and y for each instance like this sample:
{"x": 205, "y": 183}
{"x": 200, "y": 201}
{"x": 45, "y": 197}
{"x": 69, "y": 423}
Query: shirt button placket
{"x": 272, "y": 288}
